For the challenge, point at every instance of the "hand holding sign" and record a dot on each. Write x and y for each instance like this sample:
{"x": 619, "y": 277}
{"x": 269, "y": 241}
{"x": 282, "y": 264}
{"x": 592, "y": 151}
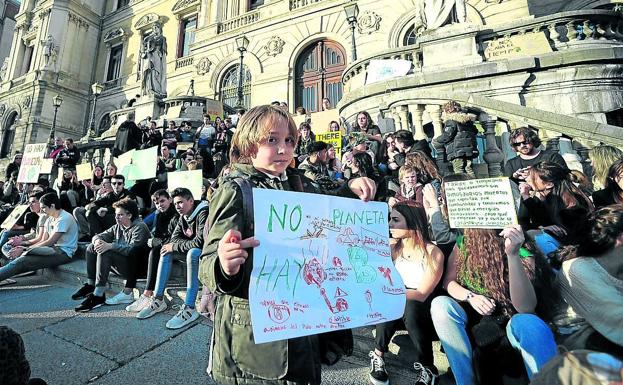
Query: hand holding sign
{"x": 232, "y": 253}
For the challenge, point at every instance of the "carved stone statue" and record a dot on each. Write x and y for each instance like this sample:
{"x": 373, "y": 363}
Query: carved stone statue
{"x": 433, "y": 14}
{"x": 49, "y": 50}
{"x": 4, "y": 69}
{"x": 153, "y": 66}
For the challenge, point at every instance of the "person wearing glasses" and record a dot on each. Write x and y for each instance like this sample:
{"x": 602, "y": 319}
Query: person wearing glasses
{"x": 102, "y": 215}
{"x": 54, "y": 246}
{"x": 525, "y": 141}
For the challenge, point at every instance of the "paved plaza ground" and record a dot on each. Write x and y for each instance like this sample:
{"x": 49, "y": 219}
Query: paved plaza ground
{"x": 110, "y": 346}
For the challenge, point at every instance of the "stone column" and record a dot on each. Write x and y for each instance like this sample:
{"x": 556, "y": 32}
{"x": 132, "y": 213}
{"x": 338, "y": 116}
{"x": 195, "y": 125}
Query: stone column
{"x": 587, "y": 167}
{"x": 403, "y": 112}
{"x": 418, "y": 124}
{"x": 434, "y": 111}
{"x": 397, "y": 118}
{"x": 493, "y": 155}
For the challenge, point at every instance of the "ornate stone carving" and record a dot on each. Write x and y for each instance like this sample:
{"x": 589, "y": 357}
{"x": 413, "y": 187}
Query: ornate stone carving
{"x": 4, "y": 69}
{"x": 2, "y": 109}
{"x": 114, "y": 35}
{"x": 26, "y": 102}
{"x": 368, "y": 22}
{"x": 80, "y": 22}
{"x": 274, "y": 46}
{"x": 50, "y": 51}
{"x": 203, "y": 66}
{"x": 146, "y": 21}
{"x": 182, "y": 5}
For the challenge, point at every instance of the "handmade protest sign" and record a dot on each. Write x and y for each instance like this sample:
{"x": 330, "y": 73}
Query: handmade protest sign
{"x": 124, "y": 166}
{"x": 334, "y": 138}
{"x": 323, "y": 264}
{"x": 183, "y": 146}
{"x": 46, "y": 166}
{"x": 144, "y": 164}
{"x": 192, "y": 180}
{"x": 31, "y": 163}
{"x": 84, "y": 171}
{"x": 480, "y": 203}
{"x": 320, "y": 120}
{"x": 12, "y": 219}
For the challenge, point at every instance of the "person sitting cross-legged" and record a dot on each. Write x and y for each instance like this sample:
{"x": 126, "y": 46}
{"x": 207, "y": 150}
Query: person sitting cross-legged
{"x": 185, "y": 244}
{"x": 123, "y": 246}
{"x": 54, "y": 246}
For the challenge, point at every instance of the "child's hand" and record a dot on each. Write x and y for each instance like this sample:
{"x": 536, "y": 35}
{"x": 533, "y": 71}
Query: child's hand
{"x": 364, "y": 188}
{"x": 232, "y": 253}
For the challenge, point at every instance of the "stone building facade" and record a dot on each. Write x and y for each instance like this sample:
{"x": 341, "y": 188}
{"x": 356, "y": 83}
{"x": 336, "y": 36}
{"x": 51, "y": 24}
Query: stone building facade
{"x": 297, "y": 52}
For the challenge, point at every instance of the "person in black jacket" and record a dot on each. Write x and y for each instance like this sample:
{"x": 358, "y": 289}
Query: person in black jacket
{"x": 613, "y": 192}
{"x": 13, "y": 166}
{"x": 101, "y": 214}
{"x": 129, "y": 136}
{"x": 152, "y": 137}
{"x": 68, "y": 157}
{"x": 186, "y": 244}
{"x": 406, "y": 144}
{"x": 162, "y": 224}
{"x": 458, "y": 138}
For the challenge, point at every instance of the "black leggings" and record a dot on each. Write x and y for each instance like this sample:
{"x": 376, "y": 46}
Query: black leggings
{"x": 152, "y": 268}
{"x": 419, "y": 324}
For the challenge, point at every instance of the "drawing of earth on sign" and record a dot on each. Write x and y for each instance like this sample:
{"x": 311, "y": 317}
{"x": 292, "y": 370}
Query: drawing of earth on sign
{"x": 324, "y": 263}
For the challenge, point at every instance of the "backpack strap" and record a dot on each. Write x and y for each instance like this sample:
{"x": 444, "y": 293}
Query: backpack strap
{"x": 247, "y": 205}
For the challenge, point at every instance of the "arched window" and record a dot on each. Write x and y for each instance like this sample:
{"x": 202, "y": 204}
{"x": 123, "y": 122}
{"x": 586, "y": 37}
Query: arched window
{"x": 104, "y": 124}
{"x": 229, "y": 86}
{"x": 410, "y": 36}
{"x": 8, "y": 135}
{"x": 319, "y": 75}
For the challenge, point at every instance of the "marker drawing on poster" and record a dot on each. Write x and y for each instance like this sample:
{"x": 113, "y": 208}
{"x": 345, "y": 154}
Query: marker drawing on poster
{"x": 324, "y": 263}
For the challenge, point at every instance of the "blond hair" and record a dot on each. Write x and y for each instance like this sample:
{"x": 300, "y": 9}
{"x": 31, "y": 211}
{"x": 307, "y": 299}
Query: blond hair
{"x": 254, "y": 128}
{"x": 602, "y": 158}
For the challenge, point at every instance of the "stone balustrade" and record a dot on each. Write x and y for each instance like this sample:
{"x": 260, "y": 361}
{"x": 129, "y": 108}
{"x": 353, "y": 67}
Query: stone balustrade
{"x": 184, "y": 62}
{"x": 295, "y": 4}
{"x": 239, "y": 22}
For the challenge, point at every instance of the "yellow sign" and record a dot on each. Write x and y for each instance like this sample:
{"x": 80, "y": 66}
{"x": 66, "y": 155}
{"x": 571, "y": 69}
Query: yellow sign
{"x": 333, "y": 138}
{"x": 84, "y": 171}
{"x": 214, "y": 108}
{"x": 529, "y": 44}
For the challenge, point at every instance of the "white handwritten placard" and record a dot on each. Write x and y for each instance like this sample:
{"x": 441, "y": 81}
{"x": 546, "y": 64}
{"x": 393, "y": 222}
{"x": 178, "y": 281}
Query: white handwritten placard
{"x": 480, "y": 203}
{"x": 324, "y": 263}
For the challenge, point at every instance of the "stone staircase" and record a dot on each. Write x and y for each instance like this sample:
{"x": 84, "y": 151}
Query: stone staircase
{"x": 399, "y": 360}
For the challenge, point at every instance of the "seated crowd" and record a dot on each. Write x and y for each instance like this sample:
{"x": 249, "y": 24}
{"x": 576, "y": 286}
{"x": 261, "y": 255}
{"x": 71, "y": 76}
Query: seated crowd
{"x": 499, "y": 301}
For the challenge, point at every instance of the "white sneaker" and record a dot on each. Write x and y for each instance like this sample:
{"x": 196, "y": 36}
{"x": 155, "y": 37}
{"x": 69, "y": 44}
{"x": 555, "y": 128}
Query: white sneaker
{"x": 141, "y": 303}
{"x": 183, "y": 317}
{"x": 155, "y": 306}
{"x": 120, "y": 298}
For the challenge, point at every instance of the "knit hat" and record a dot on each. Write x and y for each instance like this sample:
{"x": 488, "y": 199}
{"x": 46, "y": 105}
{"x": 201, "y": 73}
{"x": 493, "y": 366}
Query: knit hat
{"x": 14, "y": 368}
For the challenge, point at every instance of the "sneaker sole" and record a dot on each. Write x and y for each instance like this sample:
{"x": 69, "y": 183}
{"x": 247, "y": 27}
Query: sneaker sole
{"x": 377, "y": 382}
{"x": 190, "y": 321}
{"x": 88, "y": 310}
{"x": 151, "y": 314}
{"x": 120, "y": 303}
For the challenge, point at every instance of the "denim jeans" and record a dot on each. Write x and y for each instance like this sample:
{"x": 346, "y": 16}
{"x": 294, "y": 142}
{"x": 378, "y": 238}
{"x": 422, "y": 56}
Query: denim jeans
{"x": 35, "y": 259}
{"x": 526, "y": 333}
{"x": 192, "y": 274}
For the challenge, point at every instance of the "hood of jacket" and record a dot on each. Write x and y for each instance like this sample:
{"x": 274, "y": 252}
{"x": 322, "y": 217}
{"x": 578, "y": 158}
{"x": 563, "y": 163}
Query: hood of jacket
{"x": 201, "y": 206}
{"x": 460, "y": 117}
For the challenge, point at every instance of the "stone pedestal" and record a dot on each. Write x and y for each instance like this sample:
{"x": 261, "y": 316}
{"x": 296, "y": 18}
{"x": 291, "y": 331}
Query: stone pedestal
{"x": 148, "y": 107}
{"x": 442, "y": 51}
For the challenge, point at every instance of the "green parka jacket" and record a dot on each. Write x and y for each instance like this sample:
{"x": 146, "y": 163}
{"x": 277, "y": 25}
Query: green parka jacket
{"x": 235, "y": 359}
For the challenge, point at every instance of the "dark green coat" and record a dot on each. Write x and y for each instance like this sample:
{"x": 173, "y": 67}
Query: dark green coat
{"x": 235, "y": 358}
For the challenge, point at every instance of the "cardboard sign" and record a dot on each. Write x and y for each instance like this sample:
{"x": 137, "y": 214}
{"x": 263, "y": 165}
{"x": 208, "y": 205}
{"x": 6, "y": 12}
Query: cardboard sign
{"x": 12, "y": 219}
{"x": 480, "y": 204}
{"x": 529, "y": 44}
{"x": 124, "y": 166}
{"x": 320, "y": 120}
{"x": 84, "y": 171}
{"x": 192, "y": 180}
{"x": 324, "y": 263}
{"x": 334, "y": 138}
{"x": 214, "y": 108}
{"x": 46, "y": 166}
{"x": 183, "y": 146}
{"x": 144, "y": 164}
{"x": 31, "y": 162}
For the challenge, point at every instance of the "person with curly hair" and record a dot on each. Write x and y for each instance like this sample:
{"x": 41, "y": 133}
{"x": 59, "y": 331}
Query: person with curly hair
{"x": 420, "y": 265}
{"x": 602, "y": 157}
{"x": 613, "y": 190}
{"x": 490, "y": 297}
{"x": 527, "y": 143}
{"x": 14, "y": 367}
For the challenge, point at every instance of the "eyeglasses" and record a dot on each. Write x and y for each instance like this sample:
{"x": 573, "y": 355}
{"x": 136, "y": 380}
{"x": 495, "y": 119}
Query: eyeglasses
{"x": 517, "y": 144}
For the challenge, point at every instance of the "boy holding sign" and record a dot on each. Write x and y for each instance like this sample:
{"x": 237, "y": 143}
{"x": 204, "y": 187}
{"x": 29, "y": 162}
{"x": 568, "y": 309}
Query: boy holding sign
{"x": 262, "y": 148}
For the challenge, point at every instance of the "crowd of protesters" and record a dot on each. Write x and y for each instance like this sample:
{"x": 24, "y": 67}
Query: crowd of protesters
{"x": 499, "y": 301}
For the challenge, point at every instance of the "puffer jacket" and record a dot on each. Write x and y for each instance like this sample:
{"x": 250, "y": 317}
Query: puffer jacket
{"x": 235, "y": 358}
{"x": 459, "y": 136}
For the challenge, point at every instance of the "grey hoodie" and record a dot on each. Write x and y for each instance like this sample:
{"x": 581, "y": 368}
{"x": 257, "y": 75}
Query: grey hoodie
{"x": 126, "y": 240}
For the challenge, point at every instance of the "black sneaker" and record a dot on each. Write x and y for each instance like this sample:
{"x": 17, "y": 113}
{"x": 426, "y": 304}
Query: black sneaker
{"x": 82, "y": 293}
{"x": 378, "y": 375}
{"x": 91, "y": 302}
{"x": 423, "y": 375}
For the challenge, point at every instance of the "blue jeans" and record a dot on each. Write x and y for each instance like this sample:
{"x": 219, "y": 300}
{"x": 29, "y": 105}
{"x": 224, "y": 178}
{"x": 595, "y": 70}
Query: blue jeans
{"x": 526, "y": 333}
{"x": 192, "y": 274}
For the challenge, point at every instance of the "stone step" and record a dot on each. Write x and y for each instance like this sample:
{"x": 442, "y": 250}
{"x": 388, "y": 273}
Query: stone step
{"x": 399, "y": 359}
